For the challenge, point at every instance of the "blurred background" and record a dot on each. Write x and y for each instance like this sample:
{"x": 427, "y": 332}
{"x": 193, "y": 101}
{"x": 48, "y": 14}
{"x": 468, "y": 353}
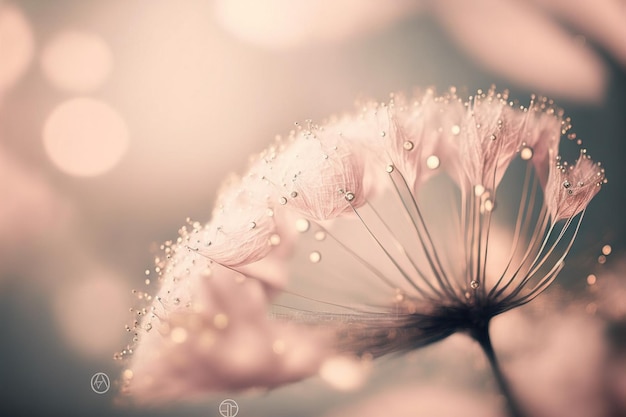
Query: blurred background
{"x": 120, "y": 118}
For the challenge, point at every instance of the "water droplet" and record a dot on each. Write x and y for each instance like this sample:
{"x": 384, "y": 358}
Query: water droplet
{"x": 282, "y": 201}
{"x": 315, "y": 257}
{"x": 474, "y": 284}
{"x": 147, "y": 281}
{"x": 479, "y": 190}
{"x": 526, "y": 152}
{"x": 274, "y": 239}
{"x": 176, "y": 300}
{"x": 147, "y": 272}
{"x": 601, "y": 259}
{"x": 566, "y": 184}
{"x": 606, "y": 250}
{"x": 432, "y": 162}
{"x": 389, "y": 169}
{"x": 408, "y": 145}
{"x": 456, "y": 129}
{"x": 302, "y": 225}
{"x": 383, "y": 134}
{"x": 278, "y": 346}
{"x": 591, "y": 279}
{"x": 350, "y": 196}
{"x": 252, "y": 225}
{"x": 320, "y": 235}
{"x": 294, "y": 194}
{"x": 493, "y": 137}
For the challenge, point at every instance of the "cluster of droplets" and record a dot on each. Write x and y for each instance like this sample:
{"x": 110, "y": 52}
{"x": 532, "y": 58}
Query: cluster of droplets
{"x": 146, "y": 311}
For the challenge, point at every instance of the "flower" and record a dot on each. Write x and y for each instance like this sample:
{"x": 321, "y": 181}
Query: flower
{"x": 373, "y": 233}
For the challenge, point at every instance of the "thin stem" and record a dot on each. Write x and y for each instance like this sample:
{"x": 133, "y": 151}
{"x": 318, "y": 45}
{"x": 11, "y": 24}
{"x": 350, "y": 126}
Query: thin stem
{"x": 480, "y": 333}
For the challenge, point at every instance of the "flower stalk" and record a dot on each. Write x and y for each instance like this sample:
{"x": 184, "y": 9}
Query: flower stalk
{"x": 480, "y": 333}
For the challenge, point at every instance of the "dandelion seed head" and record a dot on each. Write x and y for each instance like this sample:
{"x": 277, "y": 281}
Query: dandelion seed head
{"x": 376, "y": 232}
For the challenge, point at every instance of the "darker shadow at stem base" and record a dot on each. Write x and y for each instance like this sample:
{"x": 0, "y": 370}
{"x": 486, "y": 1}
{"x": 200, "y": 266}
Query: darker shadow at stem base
{"x": 480, "y": 333}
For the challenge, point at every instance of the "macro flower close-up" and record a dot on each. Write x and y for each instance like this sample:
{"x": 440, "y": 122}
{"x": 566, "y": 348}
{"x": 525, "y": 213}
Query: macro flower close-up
{"x": 377, "y": 232}
{"x": 312, "y": 208}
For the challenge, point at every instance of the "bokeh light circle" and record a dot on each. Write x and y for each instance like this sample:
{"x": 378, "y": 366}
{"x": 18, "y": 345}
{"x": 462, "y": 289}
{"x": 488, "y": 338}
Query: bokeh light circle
{"x": 85, "y": 137}
{"x": 16, "y": 45}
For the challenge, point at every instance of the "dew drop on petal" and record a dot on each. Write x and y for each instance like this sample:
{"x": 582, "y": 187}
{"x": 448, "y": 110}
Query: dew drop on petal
{"x": 294, "y": 194}
{"x": 252, "y": 225}
{"x": 320, "y": 235}
{"x": 148, "y": 327}
{"x": 479, "y": 190}
{"x": 432, "y": 162}
{"x": 315, "y": 257}
{"x": 493, "y": 137}
{"x": 147, "y": 281}
{"x": 383, "y": 134}
{"x": 601, "y": 259}
{"x": 606, "y": 250}
{"x": 275, "y": 239}
{"x": 526, "y": 152}
{"x": 127, "y": 374}
{"x": 350, "y": 196}
{"x": 456, "y": 129}
{"x": 489, "y": 205}
{"x": 474, "y": 284}
{"x": 389, "y": 169}
{"x": 302, "y": 225}
{"x": 408, "y": 145}
{"x": 278, "y": 346}
{"x": 591, "y": 279}
{"x": 147, "y": 272}
{"x": 566, "y": 184}
{"x": 282, "y": 201}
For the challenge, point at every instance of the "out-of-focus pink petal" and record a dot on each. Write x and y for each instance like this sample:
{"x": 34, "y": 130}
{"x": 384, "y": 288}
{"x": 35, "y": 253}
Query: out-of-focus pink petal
{"x": 603, "y": 20}
{"x": 517, "y": 42}
{"x": 421, "y": 401}
{"x": 284, "y": 23}
{"x": 208, "y": 330}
